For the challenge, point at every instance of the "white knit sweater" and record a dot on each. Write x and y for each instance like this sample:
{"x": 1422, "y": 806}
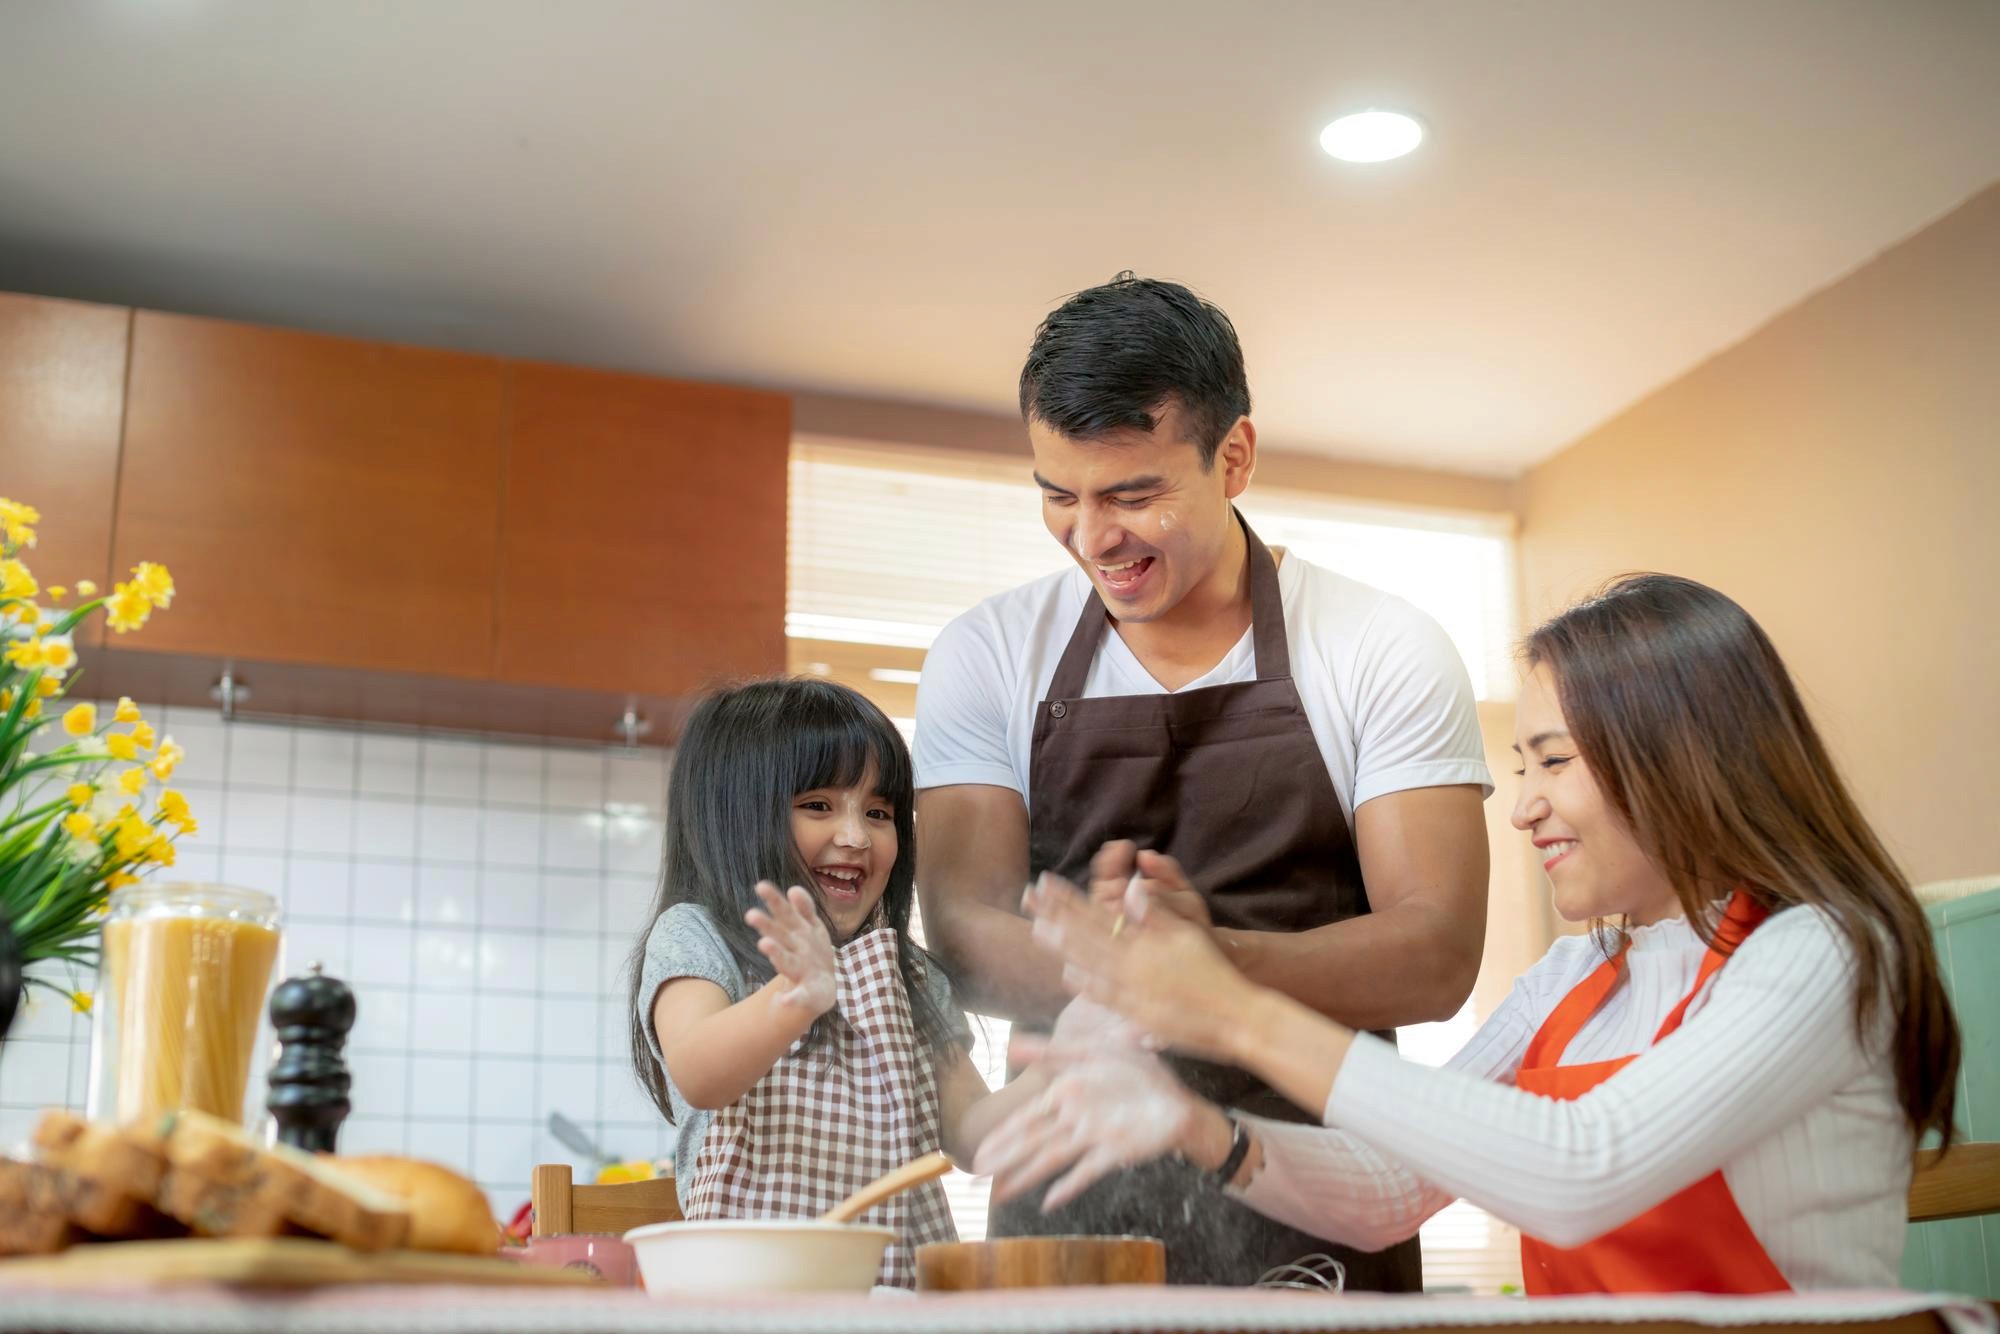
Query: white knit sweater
{"x": 1764, "y": 1078}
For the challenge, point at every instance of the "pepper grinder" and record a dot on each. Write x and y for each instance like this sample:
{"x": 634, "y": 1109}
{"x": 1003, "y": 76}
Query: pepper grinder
{"x": 309, "y": 1081}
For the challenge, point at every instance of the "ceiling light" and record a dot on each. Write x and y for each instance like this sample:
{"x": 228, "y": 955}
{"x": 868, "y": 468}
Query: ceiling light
{"x": 1372, "y": 136}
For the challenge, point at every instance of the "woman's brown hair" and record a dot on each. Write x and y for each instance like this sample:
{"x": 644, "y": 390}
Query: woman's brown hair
{"x": 1693, "y": 729}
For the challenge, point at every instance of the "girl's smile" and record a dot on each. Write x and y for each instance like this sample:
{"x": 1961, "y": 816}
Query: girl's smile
{"x": 846, "y": 836}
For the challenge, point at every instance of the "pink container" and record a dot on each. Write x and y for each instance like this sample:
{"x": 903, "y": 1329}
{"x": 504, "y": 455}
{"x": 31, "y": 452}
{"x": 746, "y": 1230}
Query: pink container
{"x": 605, "y": 1256}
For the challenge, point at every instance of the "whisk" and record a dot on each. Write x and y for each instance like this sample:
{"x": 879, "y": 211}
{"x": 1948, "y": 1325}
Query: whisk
{"x": 1313, "y": 1273}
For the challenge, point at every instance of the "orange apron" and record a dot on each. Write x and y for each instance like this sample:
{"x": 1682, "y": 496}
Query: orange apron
{"x": 1696, "y": 1241}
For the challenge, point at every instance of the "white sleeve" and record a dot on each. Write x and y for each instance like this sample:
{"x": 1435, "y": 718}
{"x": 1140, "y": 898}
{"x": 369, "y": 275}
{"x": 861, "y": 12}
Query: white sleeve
{"x": 1333, "y": 1185}
{"x": 962, "y": 696}
{"x": 1416, "y": 724}
{"x": 1775, "y": 1038}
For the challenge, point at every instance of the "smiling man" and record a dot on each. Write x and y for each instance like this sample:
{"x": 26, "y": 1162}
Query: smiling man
{"x": 1304, "y": 746}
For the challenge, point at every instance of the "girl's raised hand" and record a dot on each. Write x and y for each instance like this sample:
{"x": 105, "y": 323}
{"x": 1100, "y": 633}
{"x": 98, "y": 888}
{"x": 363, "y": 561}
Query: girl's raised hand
{"x": 792, "y": 936}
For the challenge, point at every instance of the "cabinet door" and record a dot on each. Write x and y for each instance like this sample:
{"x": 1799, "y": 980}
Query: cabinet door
{"x": 319, "y": 500}
{"x": 62, "y": 384}
{"x": 643, "y": 548}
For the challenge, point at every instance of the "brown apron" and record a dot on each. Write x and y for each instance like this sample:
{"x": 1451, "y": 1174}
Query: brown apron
{"x": 1229, "y": 781}
{"x": 831, "y": 1118}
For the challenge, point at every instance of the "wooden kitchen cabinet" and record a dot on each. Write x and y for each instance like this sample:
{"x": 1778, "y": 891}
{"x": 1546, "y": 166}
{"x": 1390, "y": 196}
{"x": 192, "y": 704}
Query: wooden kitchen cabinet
{"x": 319, "y": 500}
{"x": 643, "y": 532}
{"x": 62, "y": 386}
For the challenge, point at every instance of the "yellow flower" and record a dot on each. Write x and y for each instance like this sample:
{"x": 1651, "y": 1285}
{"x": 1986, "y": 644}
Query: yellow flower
{"x": 6, "y": 698}
{"x": 154, "y": 583}
{"x": 120, "y": 879}
{"x": 86, "y": 588}
{"x": 80, "y": 794}
{"x": 26, "y": 654}
{"x": 130, "y": 834}
{"x": 79, "y": 825}
{"x": 27, "y": 614}
{"x": 126, "y": 712}
{"x": 174, "y": 810}
{"x": 16, "y": 583}
{"x": 143, "y": 734}
{"x": 48, "y": 685}
{"x": 132, "y": 782}
{"x": 58, "y": 654}
{"x": 170, "y": 754}
{"x": 56, "y": 592}
{"x": 34, "y": 709}
{"x": 127, "y": 608}
{"x": 121, "y": 746}
{"x": 160, "y": 851}
{"x": 81, "y": 720}
{"x": 81, "y": 1002}
{"x": 16, "y": 517}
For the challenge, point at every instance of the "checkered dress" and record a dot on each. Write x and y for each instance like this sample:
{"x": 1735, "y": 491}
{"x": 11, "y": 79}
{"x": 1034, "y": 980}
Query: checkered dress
{"x": 828, "y": 1120}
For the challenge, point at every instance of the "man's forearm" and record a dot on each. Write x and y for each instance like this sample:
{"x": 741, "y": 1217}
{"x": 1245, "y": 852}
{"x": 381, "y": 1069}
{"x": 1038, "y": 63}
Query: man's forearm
{"x": 998, "y": 969}
{"x": 1407, "y": 964}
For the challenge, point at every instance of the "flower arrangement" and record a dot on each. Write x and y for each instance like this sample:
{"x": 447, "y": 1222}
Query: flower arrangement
{"x": 74, "y": 823}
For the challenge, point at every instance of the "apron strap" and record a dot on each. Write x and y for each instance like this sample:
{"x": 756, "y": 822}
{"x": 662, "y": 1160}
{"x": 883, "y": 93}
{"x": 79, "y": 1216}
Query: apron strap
{"x": 1743, "y": 916}
{"x": 1267, "y": 626}
{"x": 1551, "y": 1040}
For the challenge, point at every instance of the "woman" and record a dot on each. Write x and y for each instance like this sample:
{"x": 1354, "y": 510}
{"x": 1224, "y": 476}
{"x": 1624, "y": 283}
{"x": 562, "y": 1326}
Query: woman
{"x": 1720, "y": 1094}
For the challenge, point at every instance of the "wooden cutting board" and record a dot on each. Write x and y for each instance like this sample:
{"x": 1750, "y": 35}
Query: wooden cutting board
{"x": 1039, "y": 1262}
{"x": 270, "y": 1262}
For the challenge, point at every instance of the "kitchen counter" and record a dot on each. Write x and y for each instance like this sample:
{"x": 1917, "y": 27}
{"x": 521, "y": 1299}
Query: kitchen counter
{"x": 434, "y": 1310}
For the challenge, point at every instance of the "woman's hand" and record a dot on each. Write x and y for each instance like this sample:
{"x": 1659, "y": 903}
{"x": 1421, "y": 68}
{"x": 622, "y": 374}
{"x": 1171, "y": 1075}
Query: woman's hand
{"x": 792, "y": 936}
{"x": 1161, "y": 971}
{"x": 1100, "y": 1112}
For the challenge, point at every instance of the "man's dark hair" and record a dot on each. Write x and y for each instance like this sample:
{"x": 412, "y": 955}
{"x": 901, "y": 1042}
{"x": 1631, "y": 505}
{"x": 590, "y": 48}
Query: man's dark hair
{"x": 1120, "y": 355}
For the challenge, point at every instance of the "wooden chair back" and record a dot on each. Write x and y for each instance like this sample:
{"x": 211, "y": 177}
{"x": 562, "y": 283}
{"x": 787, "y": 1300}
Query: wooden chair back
{"x": 562, "y": 1207}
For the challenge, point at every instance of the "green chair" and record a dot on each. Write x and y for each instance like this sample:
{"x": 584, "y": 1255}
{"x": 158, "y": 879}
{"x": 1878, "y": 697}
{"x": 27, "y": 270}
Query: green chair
{"x": 1962, "y": 1253}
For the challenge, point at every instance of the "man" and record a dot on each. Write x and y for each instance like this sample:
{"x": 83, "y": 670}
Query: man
{"x": 1304, "y": 747}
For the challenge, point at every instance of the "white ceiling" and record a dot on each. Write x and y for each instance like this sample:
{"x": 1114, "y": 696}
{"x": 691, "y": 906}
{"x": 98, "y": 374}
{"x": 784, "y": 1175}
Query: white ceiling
{"x": 883, "y": 198}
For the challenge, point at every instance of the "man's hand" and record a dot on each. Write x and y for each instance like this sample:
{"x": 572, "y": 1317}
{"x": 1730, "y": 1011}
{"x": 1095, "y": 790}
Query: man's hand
{"x": 1120, "y": 862}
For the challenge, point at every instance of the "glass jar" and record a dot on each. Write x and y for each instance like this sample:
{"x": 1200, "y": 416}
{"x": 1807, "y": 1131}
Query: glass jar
{"x": 181, "y": 991}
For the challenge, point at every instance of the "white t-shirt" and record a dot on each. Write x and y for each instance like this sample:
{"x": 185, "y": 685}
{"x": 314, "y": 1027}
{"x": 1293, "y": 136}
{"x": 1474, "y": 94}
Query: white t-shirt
{"x": 1387, "y": 696}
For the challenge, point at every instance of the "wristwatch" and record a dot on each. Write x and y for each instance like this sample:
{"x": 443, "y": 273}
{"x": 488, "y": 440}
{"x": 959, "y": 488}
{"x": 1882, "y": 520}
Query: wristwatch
{"x": 1239, "y": 1149}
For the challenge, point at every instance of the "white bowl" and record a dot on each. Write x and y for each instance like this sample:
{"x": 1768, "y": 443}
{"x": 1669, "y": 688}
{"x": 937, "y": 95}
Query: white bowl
{"x": 759, "y": 1255}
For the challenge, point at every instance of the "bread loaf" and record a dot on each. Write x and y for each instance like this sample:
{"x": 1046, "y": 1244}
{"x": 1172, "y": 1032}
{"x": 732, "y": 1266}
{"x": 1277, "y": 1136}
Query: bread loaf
{"x": 32, "y": 1221}
{"x": 222, "y": 1183}
{"x": 447, "y": 1212}
{"x": 107, "y": 1179}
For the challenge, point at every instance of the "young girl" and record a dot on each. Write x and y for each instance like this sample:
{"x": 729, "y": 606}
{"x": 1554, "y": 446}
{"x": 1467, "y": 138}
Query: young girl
{"x": 1720, "y": 1095}
{"x": 802, "y": 1041}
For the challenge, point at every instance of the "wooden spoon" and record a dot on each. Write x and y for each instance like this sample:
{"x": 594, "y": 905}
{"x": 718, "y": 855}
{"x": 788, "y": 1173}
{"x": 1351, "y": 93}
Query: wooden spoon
{"x": 927, "y": 1168}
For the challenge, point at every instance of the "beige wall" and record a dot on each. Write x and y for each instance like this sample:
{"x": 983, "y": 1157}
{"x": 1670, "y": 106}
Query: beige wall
{"x": 1838, "y": 473}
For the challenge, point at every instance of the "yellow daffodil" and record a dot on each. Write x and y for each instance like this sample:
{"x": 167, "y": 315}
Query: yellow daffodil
{"x": 120, "y": 879}
{"x": 127, "y": 608}
{"x": 6, "y": 698}
{"x": 25, "y": 654}
{"x": 154, "y": 583}
{"x": 126, "y": 712}
{"x": 132, "y": 782}
{"x": 86, "y": 588}
{"x": 34, "y": 709}
{"x": 121, "y": 747}
{"x": 130, "y": 834}
{"x": 170, "y": 754}
{"x": 58, "y": 653}
{"x": 48, "y": 685}
{"x": 15, "y": 519}
{"x": 174, "y": 810}
{"x": 16, "y": 583}
{"x": 78, "y": 825}
{"x": 160, "y": 851}
{"x": 143, "y": 734}
{"x": 79, "y": 794}
{"x": 80, "y": 720}
{"x": 56, "y": 592}
{"x": 82, "y": 1002}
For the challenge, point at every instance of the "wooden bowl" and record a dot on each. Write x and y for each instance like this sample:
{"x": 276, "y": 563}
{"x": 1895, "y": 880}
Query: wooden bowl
{"x": 1040, "y": 1262}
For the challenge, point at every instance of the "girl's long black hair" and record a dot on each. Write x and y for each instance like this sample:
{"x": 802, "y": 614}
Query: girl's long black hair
{"x": 746, "y": 753}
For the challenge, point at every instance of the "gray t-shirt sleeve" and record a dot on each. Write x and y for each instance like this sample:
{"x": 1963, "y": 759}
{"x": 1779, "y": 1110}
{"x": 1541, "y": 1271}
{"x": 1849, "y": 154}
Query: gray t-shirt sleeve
{"x": 937, "y": 990}
{"x": 684, "y": 942}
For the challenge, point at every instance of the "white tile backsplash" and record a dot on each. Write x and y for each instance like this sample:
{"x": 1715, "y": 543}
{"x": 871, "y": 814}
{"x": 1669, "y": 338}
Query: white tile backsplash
{"x": 479, "y": 896}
